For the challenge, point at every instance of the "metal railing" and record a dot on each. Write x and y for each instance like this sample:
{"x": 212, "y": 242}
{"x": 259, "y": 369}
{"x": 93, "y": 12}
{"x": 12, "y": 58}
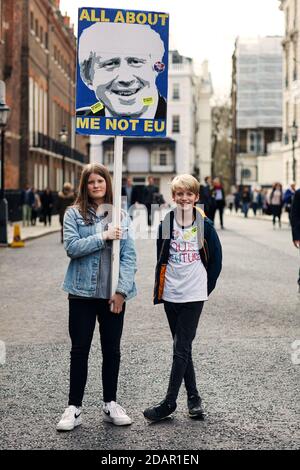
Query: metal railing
{"x": 47, "y": 143}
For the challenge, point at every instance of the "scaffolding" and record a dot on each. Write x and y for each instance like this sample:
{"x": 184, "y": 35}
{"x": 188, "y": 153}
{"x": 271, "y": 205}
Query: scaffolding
{"x": 259, "y": 82}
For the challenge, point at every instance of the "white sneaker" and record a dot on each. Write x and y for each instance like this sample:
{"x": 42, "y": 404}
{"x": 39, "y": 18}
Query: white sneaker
{"x": 70, "y": 419}
{"x": 114, "y": 413}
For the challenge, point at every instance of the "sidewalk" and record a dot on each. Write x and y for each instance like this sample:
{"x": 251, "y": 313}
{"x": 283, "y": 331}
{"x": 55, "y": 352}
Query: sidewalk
{"x": 284, "y": 216}
{"x": 35, "y": 231}
{"x": 39, "y": 230}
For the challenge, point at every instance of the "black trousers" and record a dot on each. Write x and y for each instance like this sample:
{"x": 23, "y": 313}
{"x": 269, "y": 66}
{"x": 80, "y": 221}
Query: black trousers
{"x": 149, "y": 214}
{"x": 183, "y": 320}
{"x": 82, "y": 321}
{"x": 47, "y": 214}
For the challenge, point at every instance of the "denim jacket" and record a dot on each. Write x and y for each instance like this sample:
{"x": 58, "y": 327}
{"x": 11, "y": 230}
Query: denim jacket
{"x": 83, "y": 245}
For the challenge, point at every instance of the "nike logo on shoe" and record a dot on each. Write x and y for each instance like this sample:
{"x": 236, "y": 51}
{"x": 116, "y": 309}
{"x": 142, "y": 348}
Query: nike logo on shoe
{"x": 77, "y": 416}
{"x": 107, "y": 412}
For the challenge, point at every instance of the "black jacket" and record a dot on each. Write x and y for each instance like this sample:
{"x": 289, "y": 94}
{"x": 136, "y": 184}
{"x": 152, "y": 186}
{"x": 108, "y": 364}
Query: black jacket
{"x": 295, "y": 216}
{"x": 134, "y": 195}
{"x": 210, "y": 251}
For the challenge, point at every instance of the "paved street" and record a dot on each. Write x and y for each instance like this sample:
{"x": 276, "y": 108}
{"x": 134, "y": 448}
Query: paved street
{"x": 242, "y": 354}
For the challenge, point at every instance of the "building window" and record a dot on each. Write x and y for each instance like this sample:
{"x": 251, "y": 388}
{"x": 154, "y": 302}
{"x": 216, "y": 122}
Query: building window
{"x": 41, "y": 34}
{"x": 255, "y": 142}
{"x": 161, "y": 156}
{"x": 175, "y": 124}
{"x": 252, "y": 142}
{"x": 295, "y": 74}
{"x": 36, "y": 176}
{"x": 245, "y": 173}
{"x": 176, "y": 95}
{"x": 37, "y": 28}
{"x": 109, "y": 157}
{"x": 31, "y": 21}
{"x": 287, "y": 58}
{"x": 163, "y": 159}
{"x": 46, "y": 40}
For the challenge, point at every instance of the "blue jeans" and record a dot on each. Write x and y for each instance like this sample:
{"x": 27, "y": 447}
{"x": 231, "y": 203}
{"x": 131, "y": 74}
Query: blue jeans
{"x": 245, "y": 208}
{"x": 183, "y": 320}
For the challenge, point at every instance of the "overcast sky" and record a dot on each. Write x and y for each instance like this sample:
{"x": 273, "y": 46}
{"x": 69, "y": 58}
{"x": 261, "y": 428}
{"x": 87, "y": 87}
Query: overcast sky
{"x": 203, "y": 29}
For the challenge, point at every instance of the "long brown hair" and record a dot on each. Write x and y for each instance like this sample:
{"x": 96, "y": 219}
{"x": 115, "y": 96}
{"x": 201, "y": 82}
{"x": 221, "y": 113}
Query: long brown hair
{"x": 83, "y": 202}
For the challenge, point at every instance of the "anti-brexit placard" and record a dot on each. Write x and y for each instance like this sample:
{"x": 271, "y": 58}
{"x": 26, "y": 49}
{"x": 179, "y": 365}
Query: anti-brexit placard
{"x": 122, "y": 72}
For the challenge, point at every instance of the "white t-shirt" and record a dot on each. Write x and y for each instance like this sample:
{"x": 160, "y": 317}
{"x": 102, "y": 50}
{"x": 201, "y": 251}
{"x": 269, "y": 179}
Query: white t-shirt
{"x": 186, "y": 276}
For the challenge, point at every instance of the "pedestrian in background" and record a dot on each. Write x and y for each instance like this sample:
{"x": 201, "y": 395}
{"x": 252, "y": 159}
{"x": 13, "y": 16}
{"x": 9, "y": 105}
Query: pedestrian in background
{"x": 47, "y": 205}
{"x": 27, "y": 201}
{"x": 219, "y": 196}
{"x": 288, "y": 198}
{"x": 295, "y": 219}
{"x": 150, "y": 191}
{"x": 35, "y": 207}
{"x": 256, "y": 200}
{"x": 130, "y": 192}
{"x": 266, "y": 208}
{"x": 230, "y": 201}
{"x": 276, "y": 202}
{"x": 295, "y": 223}
{"x": 207, "y": 198}
{"x": 237, "y": 200}
{"x": 88, "y": 236}
{"x": 189, "y": 259}
{"x": 65, "y": 199}
{"x": 246, "y": 199}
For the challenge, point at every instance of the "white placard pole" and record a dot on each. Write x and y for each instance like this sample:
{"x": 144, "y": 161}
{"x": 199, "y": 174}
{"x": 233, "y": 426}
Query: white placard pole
{"x": 116, "y": 214}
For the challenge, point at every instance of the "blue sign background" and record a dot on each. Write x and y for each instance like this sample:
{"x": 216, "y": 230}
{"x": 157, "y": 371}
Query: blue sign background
{"x": 86, "y": 97}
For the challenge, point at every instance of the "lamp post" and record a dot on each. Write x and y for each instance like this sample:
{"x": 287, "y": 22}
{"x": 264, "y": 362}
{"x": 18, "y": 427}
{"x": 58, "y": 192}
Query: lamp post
{"x": 63, "y": 137}
{"x": 294, "y": 135}
{"x": 4, "y": 112}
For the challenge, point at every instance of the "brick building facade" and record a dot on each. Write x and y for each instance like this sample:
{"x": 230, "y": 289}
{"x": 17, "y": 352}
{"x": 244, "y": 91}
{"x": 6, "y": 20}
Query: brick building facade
{"x": 37, "y": 63}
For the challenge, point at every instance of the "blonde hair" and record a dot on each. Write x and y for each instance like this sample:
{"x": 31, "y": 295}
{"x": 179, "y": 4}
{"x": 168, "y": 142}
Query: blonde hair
{"x": 187, "y": 182}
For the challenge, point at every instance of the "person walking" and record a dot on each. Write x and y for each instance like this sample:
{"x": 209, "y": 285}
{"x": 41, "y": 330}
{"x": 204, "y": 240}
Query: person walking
{"x": 88, "y": 235}
{"x": 230, "y": 202}
{"x": 256, "y": 201}
{"x": 150, "y": 192}
{"x": 47, "y": 206}
{"x": 295, "y": 223}
{"x": 207, "y": 198}
{"x": 276, "y": 202}
{"x": 65, "y": 199}
{"x": 189, "y": 261}
{"x": 237, "y": 200}
{"x": 295, "y": 219}
{"x": 35, "y": 207}
{"x": 288, "y": 198}
{"x": 219, "y": 196}
{"x": 246, "y": 199}
{"x": 27, "y": 201}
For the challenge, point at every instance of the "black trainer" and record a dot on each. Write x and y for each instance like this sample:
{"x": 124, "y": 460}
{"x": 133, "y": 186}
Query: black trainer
{"x": 160, "y": 411}
{"x": 195, "y": 408}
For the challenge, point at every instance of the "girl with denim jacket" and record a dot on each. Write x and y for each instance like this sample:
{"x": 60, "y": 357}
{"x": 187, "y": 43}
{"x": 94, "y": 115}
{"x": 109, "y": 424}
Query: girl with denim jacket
{"x": 88, "y": 236}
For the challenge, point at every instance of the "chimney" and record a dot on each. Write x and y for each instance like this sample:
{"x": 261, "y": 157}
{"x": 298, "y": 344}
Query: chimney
{"x": 67, "y": 20}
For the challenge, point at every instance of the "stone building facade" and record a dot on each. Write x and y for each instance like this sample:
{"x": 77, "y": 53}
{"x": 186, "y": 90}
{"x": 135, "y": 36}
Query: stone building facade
{"x": 37, "y": 64}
